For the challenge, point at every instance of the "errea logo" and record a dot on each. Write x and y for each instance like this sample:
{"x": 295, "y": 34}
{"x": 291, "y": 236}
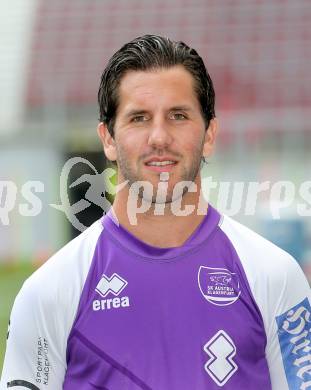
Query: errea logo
{"x": 114, "y": 285}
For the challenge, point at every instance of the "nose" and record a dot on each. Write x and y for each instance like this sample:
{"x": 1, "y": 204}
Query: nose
{"x": 159, "y": 136}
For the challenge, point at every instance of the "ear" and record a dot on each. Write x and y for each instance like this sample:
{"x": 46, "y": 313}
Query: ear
{"x": 107, "y": 141}
{"x": 210, "y": 137}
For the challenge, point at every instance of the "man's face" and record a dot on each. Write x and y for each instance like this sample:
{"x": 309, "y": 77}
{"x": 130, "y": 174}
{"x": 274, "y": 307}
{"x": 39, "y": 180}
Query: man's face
{"x": 159, "y": 128}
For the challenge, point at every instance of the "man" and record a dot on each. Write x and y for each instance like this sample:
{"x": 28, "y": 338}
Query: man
{"x": 175, "y": 297}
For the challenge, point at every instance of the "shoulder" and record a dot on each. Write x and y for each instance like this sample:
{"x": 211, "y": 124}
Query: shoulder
{"x": 59, "y": 281}
{"x": 259, "y": 256}
{"x": 47, "y": 303}
{"x": 276, "y": 280}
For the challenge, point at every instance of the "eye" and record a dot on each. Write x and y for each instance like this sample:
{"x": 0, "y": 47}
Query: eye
{"x": 178, "y": 116}
{"x": 139, "y": 118}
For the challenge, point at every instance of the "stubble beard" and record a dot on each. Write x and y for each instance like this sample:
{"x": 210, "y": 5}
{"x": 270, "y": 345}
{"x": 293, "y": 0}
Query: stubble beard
{"x": 188, "y": 174}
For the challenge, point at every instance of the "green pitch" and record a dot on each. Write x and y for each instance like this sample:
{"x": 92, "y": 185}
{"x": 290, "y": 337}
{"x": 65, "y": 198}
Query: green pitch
{"x": 11, "y": 280}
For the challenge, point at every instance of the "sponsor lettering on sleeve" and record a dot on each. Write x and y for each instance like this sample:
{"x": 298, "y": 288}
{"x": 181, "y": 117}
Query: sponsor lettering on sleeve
{"x": 294, "y": 332}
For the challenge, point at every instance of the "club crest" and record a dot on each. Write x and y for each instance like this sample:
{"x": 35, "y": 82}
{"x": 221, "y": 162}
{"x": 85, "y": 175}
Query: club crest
{"x": 218, "y": 285}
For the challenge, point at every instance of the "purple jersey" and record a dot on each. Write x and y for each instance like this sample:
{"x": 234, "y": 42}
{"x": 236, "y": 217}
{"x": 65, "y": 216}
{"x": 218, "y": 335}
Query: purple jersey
{"x": 227, "y": 310}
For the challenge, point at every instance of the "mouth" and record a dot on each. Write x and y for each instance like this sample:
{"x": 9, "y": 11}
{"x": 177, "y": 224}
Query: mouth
{"x": 161, "y": 165}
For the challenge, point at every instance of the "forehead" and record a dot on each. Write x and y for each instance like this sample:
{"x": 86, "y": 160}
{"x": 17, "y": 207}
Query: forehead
{"x": 157, "y": 87}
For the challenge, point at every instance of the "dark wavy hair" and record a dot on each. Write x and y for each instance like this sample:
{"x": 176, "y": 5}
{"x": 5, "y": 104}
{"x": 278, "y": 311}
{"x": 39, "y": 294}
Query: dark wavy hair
{"x": 151, "y": 52}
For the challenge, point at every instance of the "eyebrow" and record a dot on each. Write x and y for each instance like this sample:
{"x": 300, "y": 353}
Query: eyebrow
{"x": 136, "y": 112}
{"x": 181, "y": 108}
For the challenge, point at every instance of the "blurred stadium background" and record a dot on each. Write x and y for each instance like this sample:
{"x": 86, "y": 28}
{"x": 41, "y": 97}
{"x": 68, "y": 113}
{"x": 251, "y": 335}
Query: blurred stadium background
{"x": 52, "y": 55}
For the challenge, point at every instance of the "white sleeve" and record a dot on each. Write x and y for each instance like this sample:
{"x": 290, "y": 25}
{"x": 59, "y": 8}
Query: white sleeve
{"x": 35, "y": 356}
{"x": 283, "y": 296}
{"x": 42, "y": 317}
{"x": 289, "y": 333}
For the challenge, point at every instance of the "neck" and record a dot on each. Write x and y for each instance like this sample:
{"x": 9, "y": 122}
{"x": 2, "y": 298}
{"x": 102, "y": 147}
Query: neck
{"x": 154, "y": 223}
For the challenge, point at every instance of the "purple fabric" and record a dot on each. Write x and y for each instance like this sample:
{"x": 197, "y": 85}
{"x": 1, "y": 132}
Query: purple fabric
{"x": 157, "y": 341}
